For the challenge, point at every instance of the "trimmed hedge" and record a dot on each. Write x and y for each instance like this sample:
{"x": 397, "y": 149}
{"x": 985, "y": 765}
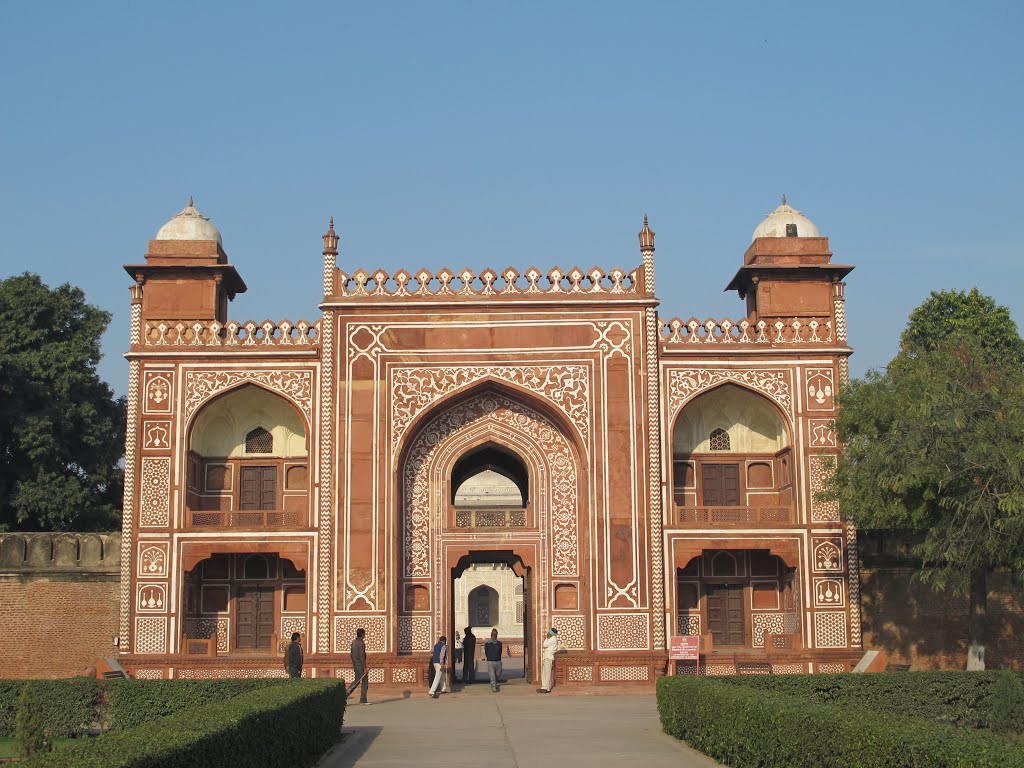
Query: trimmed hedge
{"x": 277, "y": 726}
{"x": 744, "y": 727}
{"x": 68, "y": 706}
{"x": 964, "y": 698}
{"x": 131, "y": 703}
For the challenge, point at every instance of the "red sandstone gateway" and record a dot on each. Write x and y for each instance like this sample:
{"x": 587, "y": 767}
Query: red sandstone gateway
{"x": 635, "y": 478}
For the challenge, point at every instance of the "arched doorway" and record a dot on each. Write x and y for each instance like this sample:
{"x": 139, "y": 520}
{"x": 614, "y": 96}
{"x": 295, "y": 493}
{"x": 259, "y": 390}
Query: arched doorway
{"x": 494, "y": 479}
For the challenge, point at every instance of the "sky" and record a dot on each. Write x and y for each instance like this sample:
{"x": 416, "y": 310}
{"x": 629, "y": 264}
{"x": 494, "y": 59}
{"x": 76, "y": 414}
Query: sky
{"x": 488, "y": 134}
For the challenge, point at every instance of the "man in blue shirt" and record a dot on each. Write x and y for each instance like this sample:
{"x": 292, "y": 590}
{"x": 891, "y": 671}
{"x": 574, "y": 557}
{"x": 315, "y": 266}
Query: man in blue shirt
{"x": 439, "y": 658}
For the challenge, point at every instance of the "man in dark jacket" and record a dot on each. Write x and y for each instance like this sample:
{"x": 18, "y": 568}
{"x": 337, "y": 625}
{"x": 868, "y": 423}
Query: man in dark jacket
{"x": 359, "y": 671}
{"x": 469, "y": 656}
{"x": 492, "y": 652}
{"x": 293, "y": 657}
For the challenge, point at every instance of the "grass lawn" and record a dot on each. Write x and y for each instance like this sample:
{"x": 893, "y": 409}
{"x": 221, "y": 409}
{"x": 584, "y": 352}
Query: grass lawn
{"x": 8, "y": 748}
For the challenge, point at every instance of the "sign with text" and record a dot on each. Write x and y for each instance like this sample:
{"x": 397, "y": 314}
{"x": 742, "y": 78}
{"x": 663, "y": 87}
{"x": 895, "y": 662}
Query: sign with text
{"x": 685, "y": 648}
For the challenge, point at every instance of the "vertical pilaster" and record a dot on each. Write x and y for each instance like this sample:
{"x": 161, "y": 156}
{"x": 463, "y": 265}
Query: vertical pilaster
{"x": 852, "y": 553}
{"x": 325, "y": 528}
{"x": 654, "y": 443}
{"x": 128, "y": 506}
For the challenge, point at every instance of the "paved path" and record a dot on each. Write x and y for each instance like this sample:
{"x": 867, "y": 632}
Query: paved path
{"x": 512, "y": 729}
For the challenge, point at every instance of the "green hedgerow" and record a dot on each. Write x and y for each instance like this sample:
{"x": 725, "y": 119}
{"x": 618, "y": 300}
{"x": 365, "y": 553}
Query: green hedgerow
{"x": 1007, "y": 715}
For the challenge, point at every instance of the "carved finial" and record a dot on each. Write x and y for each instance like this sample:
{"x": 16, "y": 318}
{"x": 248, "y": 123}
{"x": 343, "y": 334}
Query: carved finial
{"x": 646, "y": 237}
{"x": 190, "y": 205}
{"x": 330, "y": 239}
{"x": 783, "y": 198}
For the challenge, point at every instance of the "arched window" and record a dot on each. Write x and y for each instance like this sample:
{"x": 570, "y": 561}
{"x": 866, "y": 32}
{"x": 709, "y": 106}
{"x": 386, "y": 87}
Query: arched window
{"x": 719, "y": 440}
{"x": 259, "y": 441}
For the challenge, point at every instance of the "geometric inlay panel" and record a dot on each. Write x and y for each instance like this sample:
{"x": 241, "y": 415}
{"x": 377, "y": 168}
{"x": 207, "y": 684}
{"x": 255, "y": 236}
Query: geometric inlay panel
{"x": 623, "y": 632}
{"x": 219, "y": 674}
{"x": 624, "y": 673}
{"x": 770, "y": 623}
{"x": 571, "y": 632}
{"x": 687, "y": 623}
{"x": 345, "y": 632}
{"x": 155, "y": 493}
{"x": 579, "y": 674}
{"x": 830, "y": 629}
{"x": 821, "y": 511}
{"x": 414, "y": 633}
{"x": 150, "y": 634}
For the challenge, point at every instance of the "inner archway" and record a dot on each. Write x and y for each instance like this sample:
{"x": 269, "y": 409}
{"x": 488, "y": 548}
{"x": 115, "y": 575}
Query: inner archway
{"x": 490, "y": 594}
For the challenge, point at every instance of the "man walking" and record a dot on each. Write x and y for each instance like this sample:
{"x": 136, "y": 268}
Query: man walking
{"x": 439, "y": 658}
{"x": 547, "y": 669}
{"x": 469, "y": 657}
{"x": 359, "y": 672}
{"x": 492, "y": 652}
{"x": 293, "y": 657}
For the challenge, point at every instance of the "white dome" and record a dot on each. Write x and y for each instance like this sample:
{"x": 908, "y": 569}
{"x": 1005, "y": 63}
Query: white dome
{"x": 190, "y": 224}
{"x": 775, "y": 223}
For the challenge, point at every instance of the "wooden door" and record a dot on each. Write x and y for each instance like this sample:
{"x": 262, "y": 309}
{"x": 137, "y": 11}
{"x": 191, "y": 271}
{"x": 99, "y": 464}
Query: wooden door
{"x": 258, "y": 488}
{"x": 725, "y": 613}
{"x": 254, "y": 618}
{"x": 721, "y": 485}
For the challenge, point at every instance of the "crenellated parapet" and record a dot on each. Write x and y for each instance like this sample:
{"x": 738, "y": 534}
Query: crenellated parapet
{"x": 25, "y": 553}
{"x": 797, "y": 331}
{"x": 510, "y": 284}
{"x": 232, "y": 334}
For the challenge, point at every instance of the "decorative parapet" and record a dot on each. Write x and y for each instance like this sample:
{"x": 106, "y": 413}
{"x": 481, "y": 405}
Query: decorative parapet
{"x": 26, "y": 553}
{"x": 797, "y": 331}
{"x": 231, "y": 334}
{"x": 509, "y": 284}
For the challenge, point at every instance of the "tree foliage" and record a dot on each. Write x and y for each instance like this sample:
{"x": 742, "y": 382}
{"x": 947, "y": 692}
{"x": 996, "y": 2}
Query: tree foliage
{"x": 30, "y": 736}
{"x": 61, "y": 428}
{"x": 934, "y": 445}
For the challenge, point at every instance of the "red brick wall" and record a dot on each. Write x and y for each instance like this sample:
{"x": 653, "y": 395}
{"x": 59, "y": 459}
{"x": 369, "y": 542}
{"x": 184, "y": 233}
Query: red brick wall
{"x": 916, "y": 625}
{"x": 56, "y": 627}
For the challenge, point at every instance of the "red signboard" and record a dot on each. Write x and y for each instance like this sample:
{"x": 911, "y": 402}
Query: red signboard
{"x": 685, "y": 648}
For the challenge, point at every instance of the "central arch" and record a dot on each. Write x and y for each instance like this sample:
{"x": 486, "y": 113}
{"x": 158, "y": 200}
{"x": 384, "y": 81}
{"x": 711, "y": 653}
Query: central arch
{"x": 546, "y": 537}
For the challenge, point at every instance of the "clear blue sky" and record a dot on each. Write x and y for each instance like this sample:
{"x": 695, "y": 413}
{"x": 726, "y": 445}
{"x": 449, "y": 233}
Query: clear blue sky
{"x": 488, "y": 134}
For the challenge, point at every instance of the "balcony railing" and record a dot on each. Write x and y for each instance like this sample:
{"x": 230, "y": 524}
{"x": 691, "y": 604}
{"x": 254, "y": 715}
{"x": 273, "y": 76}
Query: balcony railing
{"x": 247, "y": 518}
{"x": 490, "y": 518}
{"x": 710, "y": 517}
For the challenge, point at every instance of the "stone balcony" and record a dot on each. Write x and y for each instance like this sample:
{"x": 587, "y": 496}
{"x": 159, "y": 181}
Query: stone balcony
{"x": 734, "y": 517}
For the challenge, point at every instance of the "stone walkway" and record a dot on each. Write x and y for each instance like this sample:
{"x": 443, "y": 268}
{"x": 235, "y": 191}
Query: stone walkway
{"x": 516, "y": 728}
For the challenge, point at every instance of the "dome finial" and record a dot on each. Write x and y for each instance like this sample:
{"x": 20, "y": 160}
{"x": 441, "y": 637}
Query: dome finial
{"x": 331, "y": 239}
{"x": 783, "y": 198}
{"x": 190, "y": 203}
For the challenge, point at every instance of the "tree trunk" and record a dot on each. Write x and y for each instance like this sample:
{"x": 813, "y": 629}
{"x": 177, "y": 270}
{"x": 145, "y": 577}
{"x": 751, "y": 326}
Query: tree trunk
{"x": 977, "y": 619}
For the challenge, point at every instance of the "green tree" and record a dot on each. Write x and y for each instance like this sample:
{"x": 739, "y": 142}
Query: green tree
{"x": 934, "y": 447}
{"x": 61, "y": 428}
{"x": 30, "y": 736}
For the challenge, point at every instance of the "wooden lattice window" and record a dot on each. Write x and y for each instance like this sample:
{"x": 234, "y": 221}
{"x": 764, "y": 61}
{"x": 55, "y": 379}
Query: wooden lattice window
{"x": 720, "y": 440}
{"x": 259, "y": 441}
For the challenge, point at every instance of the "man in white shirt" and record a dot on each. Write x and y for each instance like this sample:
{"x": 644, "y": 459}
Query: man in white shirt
{"x": 547, "y": 669}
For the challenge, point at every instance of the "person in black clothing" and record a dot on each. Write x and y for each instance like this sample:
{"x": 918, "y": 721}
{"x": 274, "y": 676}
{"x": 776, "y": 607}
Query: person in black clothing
{"x": 359, "y": 671}
{"x": 469, "y": 656}
{"x": 293, "y": 657}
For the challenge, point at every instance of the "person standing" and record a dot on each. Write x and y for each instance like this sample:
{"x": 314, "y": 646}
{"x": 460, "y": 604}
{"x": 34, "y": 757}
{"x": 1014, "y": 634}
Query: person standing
{"x": 293, "y": 657}
{"x": 457, "y": 650}
{"x": 547, "y": 669}
{"x": 492, "y": 652}
{"x": 439, "y": 658}
{"x": 359, "y": 672}
{"x": 469, "y": 657}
